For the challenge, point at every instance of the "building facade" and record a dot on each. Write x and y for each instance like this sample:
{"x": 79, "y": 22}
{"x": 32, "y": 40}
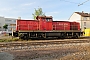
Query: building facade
{"x": 2, "y": 22}
{"x": 81, "y": 17}
{"x": 11, "y": 22}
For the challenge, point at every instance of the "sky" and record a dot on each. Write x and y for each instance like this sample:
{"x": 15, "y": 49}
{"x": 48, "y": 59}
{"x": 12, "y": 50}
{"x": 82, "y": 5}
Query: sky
{"x": 58, "y": 9}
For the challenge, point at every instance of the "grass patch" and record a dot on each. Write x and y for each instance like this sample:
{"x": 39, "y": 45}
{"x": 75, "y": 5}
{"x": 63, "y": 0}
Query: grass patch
{"x": 10, "y": 40}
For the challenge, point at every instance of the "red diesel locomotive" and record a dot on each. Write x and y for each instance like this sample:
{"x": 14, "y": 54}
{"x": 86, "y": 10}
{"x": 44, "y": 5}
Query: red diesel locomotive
{"x": 45, "y": 27}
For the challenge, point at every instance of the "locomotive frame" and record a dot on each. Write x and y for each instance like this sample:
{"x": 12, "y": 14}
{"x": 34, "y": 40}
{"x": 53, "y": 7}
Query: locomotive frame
{"x": 47, "y": 34}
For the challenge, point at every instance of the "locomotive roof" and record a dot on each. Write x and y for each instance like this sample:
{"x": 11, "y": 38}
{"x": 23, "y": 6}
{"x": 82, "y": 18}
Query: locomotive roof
{"x": 27, "y": 20}
{"x": 44, "y": 16}
{"x": 61, "y": 21}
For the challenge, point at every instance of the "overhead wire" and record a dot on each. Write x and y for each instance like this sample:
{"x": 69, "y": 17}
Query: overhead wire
{"x": 79, "y": 4}
{"x": 83, "y": 3}
{"x": 69, "y": 1}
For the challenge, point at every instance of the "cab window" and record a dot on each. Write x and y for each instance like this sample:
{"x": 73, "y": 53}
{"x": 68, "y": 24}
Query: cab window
{"x": 48, "y": 19}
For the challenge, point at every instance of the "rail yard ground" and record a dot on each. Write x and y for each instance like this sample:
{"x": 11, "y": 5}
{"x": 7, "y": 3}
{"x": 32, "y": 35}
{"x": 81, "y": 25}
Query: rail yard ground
{"x": 65, "y": 49}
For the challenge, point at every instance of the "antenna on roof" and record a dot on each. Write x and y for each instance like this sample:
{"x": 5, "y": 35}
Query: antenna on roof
{"x": 83, "y": 3}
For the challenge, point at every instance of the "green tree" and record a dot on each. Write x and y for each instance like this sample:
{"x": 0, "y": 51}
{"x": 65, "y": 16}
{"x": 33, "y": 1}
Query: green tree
{"x": 5, "y": 27}
{"x": 38, "y": 12}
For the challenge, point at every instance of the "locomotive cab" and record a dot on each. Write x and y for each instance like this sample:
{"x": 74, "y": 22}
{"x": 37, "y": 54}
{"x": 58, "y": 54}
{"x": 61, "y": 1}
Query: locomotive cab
{"x": 45, "y": 22}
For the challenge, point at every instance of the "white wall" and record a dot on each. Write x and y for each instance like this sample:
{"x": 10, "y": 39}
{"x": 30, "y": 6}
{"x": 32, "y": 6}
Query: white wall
{"x": 75, "y": 17}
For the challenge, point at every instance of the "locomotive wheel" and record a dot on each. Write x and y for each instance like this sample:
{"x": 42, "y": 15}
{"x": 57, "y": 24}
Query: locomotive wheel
{"x": 21, "y": 36}
{"x": 75, "y": 36}
{"x": 44, "y": 35}
{"x": 25, "y": 37}
{"x": 41, "y": 35}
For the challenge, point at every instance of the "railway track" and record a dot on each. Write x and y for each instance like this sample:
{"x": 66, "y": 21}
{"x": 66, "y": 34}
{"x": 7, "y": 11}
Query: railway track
{"x": 39, "y": 44}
